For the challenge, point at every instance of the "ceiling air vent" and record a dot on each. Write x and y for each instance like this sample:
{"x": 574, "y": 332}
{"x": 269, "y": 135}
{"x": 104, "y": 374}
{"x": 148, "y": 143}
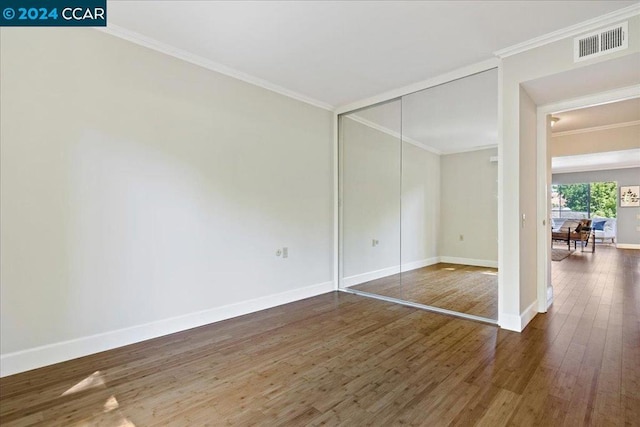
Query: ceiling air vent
{"x": 601, "y": 42}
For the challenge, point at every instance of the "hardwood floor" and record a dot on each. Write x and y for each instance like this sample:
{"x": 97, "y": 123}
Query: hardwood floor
{"x": 341, "y": 359}
{"x": 461, "y": 288}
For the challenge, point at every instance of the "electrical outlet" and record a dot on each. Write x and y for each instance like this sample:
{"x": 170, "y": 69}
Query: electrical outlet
{"x": 278, "y": 252}
{"x": 461, "y": 238}
{"x": 285, "y": 252}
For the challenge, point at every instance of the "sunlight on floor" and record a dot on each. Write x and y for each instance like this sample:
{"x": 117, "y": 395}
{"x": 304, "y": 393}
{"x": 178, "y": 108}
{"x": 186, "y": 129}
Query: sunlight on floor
{"x": 92, "y": 381}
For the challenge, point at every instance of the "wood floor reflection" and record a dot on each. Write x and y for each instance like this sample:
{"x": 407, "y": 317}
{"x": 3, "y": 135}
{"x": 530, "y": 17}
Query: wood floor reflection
{"x": 461, "y": 288}
{"x": 344, "y": 360}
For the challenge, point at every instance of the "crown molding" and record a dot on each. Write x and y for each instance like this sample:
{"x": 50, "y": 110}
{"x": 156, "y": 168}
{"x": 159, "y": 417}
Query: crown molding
{"x": 184, "y": 55}
{"x": 393, "y": 133}
{"x": 596, "y": 128}
{"x": 574, "y": 30}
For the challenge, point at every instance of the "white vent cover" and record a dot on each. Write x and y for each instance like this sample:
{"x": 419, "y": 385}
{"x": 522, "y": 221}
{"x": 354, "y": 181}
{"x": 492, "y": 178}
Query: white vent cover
{"x": 601, "y": 42}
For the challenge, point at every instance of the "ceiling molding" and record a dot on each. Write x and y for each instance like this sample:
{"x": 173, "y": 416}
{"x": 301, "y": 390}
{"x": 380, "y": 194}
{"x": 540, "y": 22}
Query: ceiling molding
{"x": 184, "y": 55}
{"x": 574, "y": 30}
{"x": 596, "y": 128}
{"x": 573, "y": 169}
{"x": 393, "y": 133}
{"x": 450, "y": 76}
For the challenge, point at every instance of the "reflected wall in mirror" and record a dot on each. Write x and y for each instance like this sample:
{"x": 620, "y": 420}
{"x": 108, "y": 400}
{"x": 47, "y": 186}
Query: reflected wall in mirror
{"x": 370, "y": 180}
{"x": 450, "y": 229}
{"x": 446, "y": 177}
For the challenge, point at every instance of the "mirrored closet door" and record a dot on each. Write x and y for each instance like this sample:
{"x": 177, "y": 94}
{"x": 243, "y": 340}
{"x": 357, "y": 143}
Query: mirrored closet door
{"x": 370, "y": 181}
{"x": 449, "y": 242}
{"x": 418, "y": 198}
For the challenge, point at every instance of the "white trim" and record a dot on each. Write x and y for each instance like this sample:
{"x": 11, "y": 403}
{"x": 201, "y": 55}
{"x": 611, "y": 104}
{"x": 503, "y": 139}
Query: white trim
{"x": 628, "y": 246}
{"x": 392, "y": 133}
{"x": 469, "y": 261}
{"x": 573, "y": 30}
{"x": 503, "y": 318}
{"x": 543, "y": 254}
{"x": 184, "y": 55}
{"x": 369, "y": 276}
{"x": 543, "y": 257}
{"x": 596, "y": 128}
{"x": 20, "y": 361}
{"x": 408, "y": 266}
{"x": 517, "y": 323}
{"x": 425, "y": 84}
{"x": 388, "y": 271}
{"x": 528, "y": 314}
{"x": 510, "y": 322}
{"x": 336, "y": 203}
{"x": 549, "y": 300}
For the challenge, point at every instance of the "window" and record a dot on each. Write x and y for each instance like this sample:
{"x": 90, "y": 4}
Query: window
{"x": 587, "y": 200}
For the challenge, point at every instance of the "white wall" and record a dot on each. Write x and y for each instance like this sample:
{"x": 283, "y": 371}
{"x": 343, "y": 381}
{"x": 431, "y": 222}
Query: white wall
{"x": 528, "y": 205}
{"x": 138, "y": 188}
{"x": 421, "y": 218}
{"x": 442, "y": 197}
{"x": 370, "y": 201}
{"x": 628, "y": 219}
{"x": 617, "y": 139}
{"x": 469, "y": 206}
{"x": 547, "y": 60}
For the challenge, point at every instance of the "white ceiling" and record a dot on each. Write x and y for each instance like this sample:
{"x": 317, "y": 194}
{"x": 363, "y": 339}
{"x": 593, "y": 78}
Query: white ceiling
{"x": 596, "y": 161}
{"x": 338, "y": 52}
{"x": 457, "y": 116}
{"x": 594, "y": 78}
{"x": 599, "y": 115}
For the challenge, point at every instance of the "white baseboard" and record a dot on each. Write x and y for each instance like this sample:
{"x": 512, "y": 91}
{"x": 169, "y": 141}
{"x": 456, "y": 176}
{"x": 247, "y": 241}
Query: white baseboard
{"x": 420, "y": 263}
{"x": 528, "y": 314}
{"x": 510, "y": 322}
{"x": 25, "y": 360}
{"x": 469, "y": 261}
{"x": 389, "y": 271}
{"x": 371, "y": 275}
{"x": 513, "y": 322}
{"x": 627, "y": 246}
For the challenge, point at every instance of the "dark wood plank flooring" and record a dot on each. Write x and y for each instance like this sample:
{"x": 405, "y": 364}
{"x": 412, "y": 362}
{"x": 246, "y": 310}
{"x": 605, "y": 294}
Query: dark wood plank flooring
{"x": 342, "y": 359}
{"x": 461, "y": 288}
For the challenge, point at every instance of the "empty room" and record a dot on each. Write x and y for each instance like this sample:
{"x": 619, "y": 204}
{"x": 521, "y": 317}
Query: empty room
{"x": 319, "y": 213}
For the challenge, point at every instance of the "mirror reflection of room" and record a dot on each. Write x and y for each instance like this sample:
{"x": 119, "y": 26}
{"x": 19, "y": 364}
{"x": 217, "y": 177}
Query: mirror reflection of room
{"x": 447, "y": 197}
{"x": 370, "y": 195}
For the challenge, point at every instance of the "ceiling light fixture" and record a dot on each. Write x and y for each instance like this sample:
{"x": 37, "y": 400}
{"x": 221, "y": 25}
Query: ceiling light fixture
{"x": 554, "y": 120}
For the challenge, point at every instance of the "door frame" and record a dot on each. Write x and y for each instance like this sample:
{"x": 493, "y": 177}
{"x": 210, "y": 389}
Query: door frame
{"x": 544, "y": 285}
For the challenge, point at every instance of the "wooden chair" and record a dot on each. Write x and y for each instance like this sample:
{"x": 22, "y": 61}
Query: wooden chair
{"x": 575, "y": 230}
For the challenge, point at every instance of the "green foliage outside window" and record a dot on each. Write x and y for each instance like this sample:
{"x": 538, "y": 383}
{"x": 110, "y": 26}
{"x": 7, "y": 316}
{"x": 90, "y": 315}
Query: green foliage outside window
{"x": 604, "y": 200}
{"x": 596, "y": 199}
